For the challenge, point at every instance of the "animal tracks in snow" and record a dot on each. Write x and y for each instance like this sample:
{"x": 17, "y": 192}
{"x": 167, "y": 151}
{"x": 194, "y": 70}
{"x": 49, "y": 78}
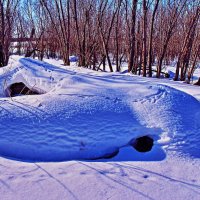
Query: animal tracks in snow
{"x": 153, "y": 98}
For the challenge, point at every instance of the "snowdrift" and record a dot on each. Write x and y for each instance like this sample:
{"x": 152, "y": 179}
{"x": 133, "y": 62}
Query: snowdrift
{"x": 84, "y": 115}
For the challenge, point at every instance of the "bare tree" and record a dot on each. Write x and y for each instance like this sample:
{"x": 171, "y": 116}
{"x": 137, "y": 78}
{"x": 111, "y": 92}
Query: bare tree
{"x": 58, "y": 20}
{"x": 106, "y": 34}
{"x": 175, "y": 8}
{"x": 151, "y": 37}
{"x": 8, "y": 11}
{"x": 185, "y": 53}
{"x": 132, "y": 42}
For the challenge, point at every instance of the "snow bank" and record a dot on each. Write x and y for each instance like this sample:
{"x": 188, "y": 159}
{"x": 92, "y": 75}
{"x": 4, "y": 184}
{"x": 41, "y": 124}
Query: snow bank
{"x": 87, "y": 116}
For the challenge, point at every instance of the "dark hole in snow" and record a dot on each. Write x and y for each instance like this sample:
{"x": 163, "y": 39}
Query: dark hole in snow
{"x": 143, "y": 144}
{"x": 18, "y": 89}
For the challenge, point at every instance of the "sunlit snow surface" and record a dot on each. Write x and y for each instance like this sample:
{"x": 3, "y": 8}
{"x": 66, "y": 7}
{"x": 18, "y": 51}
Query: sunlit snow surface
{"x": 87, "y": 115}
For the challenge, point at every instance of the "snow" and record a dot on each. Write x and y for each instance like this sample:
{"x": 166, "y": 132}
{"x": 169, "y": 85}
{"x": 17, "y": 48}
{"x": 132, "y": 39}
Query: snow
{"x": 83, "y": 115}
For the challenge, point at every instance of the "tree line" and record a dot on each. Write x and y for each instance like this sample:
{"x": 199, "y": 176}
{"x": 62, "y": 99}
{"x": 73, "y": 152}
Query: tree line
{"x": 146, "y": 34}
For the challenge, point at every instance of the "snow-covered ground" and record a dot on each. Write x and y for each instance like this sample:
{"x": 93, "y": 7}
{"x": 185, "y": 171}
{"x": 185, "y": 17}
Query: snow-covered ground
{"x": 83, "y": 115}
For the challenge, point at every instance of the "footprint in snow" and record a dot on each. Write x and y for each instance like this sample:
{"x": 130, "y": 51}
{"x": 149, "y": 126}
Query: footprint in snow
{"x": 40, "y": 105}
{"x": 135, "y": 101}
{"x": 145, "y": 176}
{"x": 51, "y": 78}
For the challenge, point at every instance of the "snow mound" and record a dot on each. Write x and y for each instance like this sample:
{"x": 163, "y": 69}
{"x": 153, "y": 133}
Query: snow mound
{"x": 86, "y": 116}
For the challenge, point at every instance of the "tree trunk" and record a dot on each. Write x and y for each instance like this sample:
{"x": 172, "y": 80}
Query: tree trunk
{"x": 144, "y": 39}
{"x": 198, "y": 82}
{"x": 132, "y": 50}
{"x": 191, "y": 71}
{"x": 1, "y": 56}
{"x": 151, "y": 38}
